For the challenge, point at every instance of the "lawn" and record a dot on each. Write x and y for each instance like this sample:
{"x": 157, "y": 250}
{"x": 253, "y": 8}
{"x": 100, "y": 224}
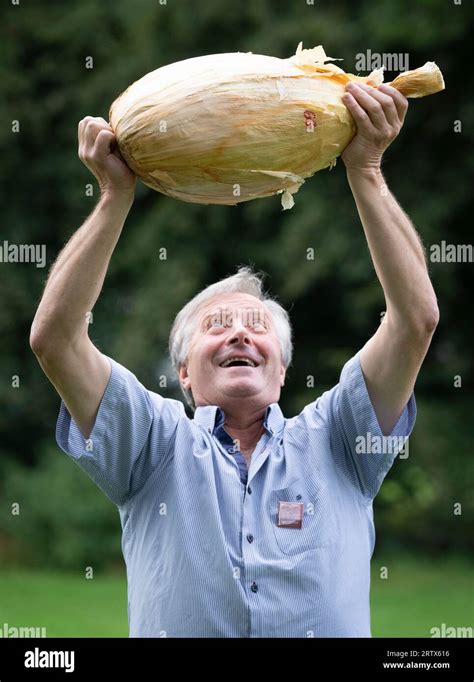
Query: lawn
{"x": 421, "y": 593}
{"x": 418, "y": 594}
{"x": 67, "y": 606}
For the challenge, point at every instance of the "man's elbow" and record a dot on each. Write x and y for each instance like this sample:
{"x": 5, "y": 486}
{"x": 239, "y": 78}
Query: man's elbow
{"x": 37, "y": 338}
{"x": 423, "y": 323}
{"x": 43, "y": 340}
{"x": 435, "y": 321}
{"x": 35, "y": 341}
{"x": 431, "y": 319}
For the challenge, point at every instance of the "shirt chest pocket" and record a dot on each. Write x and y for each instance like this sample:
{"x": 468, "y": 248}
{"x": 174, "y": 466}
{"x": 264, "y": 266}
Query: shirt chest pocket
{"x": 318, "y": 527}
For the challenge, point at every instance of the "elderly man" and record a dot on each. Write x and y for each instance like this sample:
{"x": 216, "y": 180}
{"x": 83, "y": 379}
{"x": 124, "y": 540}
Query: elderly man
{"x": 241, "y": 522}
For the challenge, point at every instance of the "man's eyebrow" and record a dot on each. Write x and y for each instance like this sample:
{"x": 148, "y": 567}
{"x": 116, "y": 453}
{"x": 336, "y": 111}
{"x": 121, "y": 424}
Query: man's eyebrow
{"x": 217, "y": 313}
{"x": 213, "y": 313}
{"x": 259, "y": 313}
{"x": 210, "y": 316}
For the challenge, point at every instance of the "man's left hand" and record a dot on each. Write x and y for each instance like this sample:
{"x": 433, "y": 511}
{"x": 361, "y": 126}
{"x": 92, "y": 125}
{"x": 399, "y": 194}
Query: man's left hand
{"x": 379, "y": 114}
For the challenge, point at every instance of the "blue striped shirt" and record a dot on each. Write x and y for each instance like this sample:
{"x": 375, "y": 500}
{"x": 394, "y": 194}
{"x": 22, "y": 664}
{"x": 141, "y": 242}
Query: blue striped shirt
{"x": 204, "y": 554}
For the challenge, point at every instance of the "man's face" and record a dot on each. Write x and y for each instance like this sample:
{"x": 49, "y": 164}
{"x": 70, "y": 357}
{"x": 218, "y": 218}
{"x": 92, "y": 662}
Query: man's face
{"x": 234, "y": 326}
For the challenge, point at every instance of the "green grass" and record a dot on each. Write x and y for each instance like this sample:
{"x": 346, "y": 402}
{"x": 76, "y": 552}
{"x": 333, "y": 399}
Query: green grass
{"x": 419, "y": 593}
{"x": 67, "y": 606}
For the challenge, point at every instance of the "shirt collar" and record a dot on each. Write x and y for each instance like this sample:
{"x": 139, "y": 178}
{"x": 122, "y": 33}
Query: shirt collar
{"x": 210, "y": 416}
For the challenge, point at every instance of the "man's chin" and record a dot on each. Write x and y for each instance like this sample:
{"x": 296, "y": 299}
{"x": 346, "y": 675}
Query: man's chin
{"x": 240, "y": 388}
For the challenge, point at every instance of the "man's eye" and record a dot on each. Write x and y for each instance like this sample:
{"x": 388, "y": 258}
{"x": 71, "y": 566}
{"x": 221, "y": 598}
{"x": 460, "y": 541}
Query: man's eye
{"x": 258, "y": 326}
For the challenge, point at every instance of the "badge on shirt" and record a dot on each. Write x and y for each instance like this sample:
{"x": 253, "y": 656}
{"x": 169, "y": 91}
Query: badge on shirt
{"x": 290, "y": 514}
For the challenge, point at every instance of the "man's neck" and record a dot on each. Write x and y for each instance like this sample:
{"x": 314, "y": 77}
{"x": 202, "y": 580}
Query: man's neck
{"x": 245, "y": 431}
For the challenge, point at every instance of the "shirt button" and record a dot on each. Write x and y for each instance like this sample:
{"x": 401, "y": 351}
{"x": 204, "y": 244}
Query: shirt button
{"x": 249, "y": 490}
{"x": 250, "y": 537}
{"x": 254, "y": 587}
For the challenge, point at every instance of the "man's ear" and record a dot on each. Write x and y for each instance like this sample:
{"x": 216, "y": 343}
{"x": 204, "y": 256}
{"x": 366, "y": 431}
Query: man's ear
{"x": 184, "y": 379}
{"x": 282, "y": 375}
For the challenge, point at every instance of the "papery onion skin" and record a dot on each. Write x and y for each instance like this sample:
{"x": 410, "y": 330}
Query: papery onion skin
{"x": 228, "y": 128}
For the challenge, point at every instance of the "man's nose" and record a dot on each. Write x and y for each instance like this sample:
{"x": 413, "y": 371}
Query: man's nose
{"x": 239, "y": 334}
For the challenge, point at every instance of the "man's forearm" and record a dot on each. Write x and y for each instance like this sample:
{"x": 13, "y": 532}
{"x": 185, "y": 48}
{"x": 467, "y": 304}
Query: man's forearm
{"x": 76, "y": 278}
{"x": 396, "y": 251}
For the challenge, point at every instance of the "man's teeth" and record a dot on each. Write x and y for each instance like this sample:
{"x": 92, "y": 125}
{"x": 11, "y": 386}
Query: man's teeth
{"x": 247, "y": 361}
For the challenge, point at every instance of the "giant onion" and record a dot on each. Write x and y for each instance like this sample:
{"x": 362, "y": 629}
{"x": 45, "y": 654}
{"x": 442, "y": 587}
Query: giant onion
{"x": 227, "y": 128}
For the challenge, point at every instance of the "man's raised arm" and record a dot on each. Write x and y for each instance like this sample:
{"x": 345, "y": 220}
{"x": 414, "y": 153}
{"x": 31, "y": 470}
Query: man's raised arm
{"x": 392, "y": 358}
{"x": 59, "y": 333}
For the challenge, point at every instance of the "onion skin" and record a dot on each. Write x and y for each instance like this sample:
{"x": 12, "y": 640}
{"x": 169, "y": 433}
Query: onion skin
{"x": 228, "y": 128}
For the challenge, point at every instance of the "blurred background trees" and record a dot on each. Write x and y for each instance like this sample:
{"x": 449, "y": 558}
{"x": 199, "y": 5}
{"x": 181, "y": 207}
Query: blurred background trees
{"x": 335, "y": 301}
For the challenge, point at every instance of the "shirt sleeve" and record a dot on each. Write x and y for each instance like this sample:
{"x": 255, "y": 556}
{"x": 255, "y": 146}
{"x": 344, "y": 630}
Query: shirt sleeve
{"x": 355, "y": 429}
{"x": 131, "y": 437}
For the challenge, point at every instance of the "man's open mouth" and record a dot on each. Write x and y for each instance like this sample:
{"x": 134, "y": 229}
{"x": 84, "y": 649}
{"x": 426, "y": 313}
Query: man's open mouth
{"x": 239, "y": 361}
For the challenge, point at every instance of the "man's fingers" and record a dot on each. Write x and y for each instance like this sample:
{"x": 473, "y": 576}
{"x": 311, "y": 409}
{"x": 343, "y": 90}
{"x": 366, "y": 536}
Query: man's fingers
{"x": 81, "y": 126}
{"x": 89, "y": 128}
{"x": 91, "y": 131}
{"x": 400, "y": 100}
{"x": 103, "y": 142}
{"x": 387, "y": 104}
{"x": 358, "y": 114}
{"x": 371, "y": 104}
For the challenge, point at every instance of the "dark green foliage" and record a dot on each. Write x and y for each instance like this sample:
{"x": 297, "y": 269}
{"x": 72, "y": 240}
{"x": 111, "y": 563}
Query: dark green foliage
{"x": 335, "y": 300}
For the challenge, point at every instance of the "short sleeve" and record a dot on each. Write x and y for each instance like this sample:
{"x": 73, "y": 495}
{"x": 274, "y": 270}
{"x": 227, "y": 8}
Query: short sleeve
{"x": 355, "y": 429}
{"x": 131, "y": 436}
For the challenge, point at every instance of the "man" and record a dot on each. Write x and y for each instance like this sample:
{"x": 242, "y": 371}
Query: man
{"x": 239, "y": 522}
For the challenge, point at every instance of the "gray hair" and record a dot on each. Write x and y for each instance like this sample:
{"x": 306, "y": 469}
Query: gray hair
{"x": 245, "y": 281}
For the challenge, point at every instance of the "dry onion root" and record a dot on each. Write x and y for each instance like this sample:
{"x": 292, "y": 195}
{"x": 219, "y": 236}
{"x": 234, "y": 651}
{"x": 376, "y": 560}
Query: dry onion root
{"x": 227, "y": 128}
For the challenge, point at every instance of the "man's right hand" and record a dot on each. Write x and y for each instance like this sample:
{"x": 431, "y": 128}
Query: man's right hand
{"x": 96, "y": 151}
